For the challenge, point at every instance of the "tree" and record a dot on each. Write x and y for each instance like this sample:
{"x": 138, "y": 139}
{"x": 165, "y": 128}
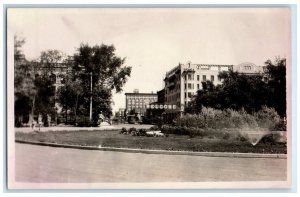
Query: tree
{"x": 44, "y": 81}
{"x": 24, "y": 84}
{"x": 238, "y": 91}
{"x": 276, "y": 80}
{"x": 249, "y": 92}
{"x": 100, "y": 72}
{"x": 44, "y": 98}
{"x": 69, "y": 96}
{"x": 50, "y": 58}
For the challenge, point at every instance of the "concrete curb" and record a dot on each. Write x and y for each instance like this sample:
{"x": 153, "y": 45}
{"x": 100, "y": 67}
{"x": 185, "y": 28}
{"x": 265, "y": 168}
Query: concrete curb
{"x": 166, "y": 152}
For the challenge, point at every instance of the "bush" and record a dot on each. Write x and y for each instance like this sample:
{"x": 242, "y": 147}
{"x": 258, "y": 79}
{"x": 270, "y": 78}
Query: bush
{"x": 226, "y": 136}
{"x": 154, "y": 128}
{"x": 268, "y": 139}
{"x": 84, "y": 122}
{"x": 142, "y": 132}
{"x": 132, "y": 129}
{"x": 212, "y": 123}
{"x": 267, "y": 118}
{"x": 189, "y": 120}
{"x": 280, "y": 126}
{"x": 123, "y": 130}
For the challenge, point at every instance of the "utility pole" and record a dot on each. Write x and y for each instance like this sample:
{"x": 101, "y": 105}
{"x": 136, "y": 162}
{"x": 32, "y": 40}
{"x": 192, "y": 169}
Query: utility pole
{"x": 91, "y": 99}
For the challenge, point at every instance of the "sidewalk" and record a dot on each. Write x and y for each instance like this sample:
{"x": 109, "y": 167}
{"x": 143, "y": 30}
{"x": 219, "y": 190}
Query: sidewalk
{"x": 73, "y": 128}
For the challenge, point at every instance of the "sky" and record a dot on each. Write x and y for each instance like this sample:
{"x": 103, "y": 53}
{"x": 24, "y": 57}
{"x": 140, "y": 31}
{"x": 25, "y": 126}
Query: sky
{"x": 156, "y": 40}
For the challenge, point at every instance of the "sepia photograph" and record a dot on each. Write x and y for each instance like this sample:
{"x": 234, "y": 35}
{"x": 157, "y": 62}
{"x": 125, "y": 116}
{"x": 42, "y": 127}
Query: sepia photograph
{"x": 149, "y": 98}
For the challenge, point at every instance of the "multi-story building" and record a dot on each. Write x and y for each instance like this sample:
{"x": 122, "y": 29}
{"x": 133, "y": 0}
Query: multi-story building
{"x": 183, "y": 81}
{"x": 139, "y": 101}
{"x": 248, "y": 68}
{"x": 161, "y": 96}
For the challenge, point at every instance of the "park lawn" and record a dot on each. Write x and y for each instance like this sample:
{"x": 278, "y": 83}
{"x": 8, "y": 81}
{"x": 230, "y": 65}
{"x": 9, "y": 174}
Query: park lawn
{"x": 112, "y": 138}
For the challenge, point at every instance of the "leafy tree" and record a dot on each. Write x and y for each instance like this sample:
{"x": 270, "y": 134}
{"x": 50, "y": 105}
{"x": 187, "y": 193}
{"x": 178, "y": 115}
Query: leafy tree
{"x": 24, "y": 84}
{"x": 276, "y": 80}
{"x": 98, "y": 67}
{"x": 44, "y": 82}
{"x": 69, "y": 96}
{"x": 249, "y": 92}
{"x": 44, "y": 98}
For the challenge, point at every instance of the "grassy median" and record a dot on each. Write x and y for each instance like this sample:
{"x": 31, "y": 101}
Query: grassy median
{"x": 113, "y": 138}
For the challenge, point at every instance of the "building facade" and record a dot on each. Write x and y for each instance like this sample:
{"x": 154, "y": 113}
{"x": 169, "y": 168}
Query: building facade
{"x": 139, "y": 101}
{"x": 248, "y": 68}
{"x": 183, "y": 81}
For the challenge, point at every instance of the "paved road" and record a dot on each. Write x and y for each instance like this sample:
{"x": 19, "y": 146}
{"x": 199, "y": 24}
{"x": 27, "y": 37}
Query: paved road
{"x": 63, "y": 165}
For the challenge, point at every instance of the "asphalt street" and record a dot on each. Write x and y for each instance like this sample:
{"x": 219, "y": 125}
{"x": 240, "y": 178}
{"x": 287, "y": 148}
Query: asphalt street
{"x": 43, "y": 164}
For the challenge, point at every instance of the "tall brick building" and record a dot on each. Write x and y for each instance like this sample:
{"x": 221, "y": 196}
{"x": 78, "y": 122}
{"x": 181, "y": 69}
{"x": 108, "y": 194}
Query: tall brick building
{"x": 139, "y": 101}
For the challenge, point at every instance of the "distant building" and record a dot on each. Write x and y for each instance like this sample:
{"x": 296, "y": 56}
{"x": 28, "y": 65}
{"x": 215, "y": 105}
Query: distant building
{"x": 161, "y": 96}
{"x": 139, "y": 101}
{"x": 122, "y": 112}
{"x": 183, "y": 81}
{"x": 248, "y": 68}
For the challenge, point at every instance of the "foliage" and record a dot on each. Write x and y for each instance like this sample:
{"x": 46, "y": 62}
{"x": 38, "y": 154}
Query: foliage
{"x": 267, "y": 118}
{"x": 99, "y": 71}
{"x": 276, "y": 80}
{"x": 211, "y": 120}
{"x": 248, "y": 92}
{"x": 84, "y": 121}
{"x": 24, "y": 86}
{"x": 123, "y": 130}
{"x": 153, "y": 128}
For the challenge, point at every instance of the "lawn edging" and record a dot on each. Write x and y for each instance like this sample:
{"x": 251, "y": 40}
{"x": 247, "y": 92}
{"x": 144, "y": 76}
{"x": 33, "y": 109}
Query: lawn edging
{"x": 167, "y": 152}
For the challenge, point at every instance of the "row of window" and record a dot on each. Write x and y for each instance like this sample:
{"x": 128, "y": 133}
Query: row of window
{"x": 247, "y": 67}
{"x": 141, "y": 97}
{"x": 141, "y": 100}
{"x": 189, "y": 95}
{"x": 136, "y": 106}
{"x": 173, "y": 97}
{"x": 191, "y": 77}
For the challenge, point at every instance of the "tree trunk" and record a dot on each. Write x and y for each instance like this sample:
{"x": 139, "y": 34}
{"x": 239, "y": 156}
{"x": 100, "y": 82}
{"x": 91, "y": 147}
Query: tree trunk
{"x": 31, "y": 116}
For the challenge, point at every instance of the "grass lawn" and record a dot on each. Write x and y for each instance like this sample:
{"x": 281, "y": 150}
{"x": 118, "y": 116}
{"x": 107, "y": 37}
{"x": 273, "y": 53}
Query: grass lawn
{"x": 173, "y": 142}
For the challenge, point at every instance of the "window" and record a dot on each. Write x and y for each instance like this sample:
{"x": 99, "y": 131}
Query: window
{"x": 204, "y": 78}
{"x": 212, "y": 78}
{"x": 198, "y": 86}
{"x": 189, "y": 86}
{"x": 185, "y": 95}
{"x": 185, "y": 86}
{"x": 198, "y": 78}
{"x": 189, "y": 77}
{"x": 189, "y": 95}
{"x": 185, "y": 77}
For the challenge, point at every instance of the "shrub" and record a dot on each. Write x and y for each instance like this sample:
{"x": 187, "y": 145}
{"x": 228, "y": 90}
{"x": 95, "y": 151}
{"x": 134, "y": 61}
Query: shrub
{"x": 142, "y": 132}
{"x": 280, "y": 126}
{"x": 268, "y": 139}
{"x": 226, "y": 136}
{"x": 154, "y": 128}
{"x": 267, "y": 118}
{"x": 132, "y": 129}
{"x": 190, "y": 121}
{"x": 123, "y": 130}
{"x": 84, "y": 122}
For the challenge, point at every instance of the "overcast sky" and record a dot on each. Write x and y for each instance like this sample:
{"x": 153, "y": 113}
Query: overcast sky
{"x": 156, "y": 40}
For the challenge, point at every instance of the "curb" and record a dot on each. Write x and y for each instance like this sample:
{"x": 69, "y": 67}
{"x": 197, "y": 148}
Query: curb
{"x": 166, "y": 152}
